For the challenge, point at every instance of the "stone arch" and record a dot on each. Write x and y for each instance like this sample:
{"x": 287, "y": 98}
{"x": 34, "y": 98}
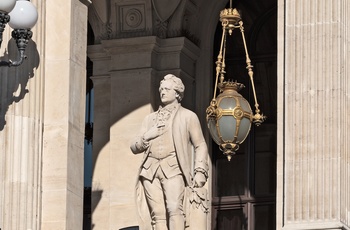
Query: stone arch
{"x": 110, "y": 68}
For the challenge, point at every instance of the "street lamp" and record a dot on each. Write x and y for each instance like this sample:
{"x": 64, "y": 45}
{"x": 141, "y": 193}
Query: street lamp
{"x": 229, "y": 115}
{"x": 21, "y": 15}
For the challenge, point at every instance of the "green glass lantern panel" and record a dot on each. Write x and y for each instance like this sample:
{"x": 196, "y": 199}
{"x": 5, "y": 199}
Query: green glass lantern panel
{"x": 244, "y": 129}
{"x": 228, "y": 103}
{"x": 245, "y": 105}
{"x": 227, "y": 127}
{"x": 213, "y": 131}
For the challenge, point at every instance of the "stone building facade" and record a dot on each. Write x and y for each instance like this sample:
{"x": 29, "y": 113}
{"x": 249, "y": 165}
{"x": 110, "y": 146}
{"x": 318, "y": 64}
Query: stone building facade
{"x": 292, "y": 173}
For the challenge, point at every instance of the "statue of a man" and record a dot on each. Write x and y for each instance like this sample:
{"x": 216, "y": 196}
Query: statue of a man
{"x": 168, "y": 138}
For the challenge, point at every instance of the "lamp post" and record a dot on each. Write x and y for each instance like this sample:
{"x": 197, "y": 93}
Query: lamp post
{"x": 229, "y": 115}
{"x": 21, "y": 15}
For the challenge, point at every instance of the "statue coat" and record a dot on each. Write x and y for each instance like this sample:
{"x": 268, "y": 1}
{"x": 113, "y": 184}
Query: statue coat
{"x": 187, "y": 135}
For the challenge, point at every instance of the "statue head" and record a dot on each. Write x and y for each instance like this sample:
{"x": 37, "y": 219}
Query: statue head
{"x": 178, "y": 86}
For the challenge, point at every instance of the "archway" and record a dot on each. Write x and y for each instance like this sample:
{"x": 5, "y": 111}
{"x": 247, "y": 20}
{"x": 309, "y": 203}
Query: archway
{"x": 244, "y": 190}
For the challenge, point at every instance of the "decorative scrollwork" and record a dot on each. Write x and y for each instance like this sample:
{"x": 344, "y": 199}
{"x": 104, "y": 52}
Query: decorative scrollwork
{"x": 4, "y": 19}
{"x": 211, "y": 110}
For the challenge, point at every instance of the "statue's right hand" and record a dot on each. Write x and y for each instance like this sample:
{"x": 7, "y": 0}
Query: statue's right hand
{"x": 152, "y": 133}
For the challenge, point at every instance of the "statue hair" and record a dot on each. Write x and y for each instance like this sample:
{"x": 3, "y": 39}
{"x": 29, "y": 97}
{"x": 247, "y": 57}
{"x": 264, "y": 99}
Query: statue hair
{"x": 179, "y": 87}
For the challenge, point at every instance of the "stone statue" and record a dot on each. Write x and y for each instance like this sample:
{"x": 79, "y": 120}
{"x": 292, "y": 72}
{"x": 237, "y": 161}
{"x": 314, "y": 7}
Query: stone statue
{"x": 175, "y": 159}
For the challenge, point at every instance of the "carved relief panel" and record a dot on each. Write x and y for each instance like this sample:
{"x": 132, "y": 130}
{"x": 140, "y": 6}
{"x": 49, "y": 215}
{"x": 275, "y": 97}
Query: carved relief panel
{"x": 131, "y": 18}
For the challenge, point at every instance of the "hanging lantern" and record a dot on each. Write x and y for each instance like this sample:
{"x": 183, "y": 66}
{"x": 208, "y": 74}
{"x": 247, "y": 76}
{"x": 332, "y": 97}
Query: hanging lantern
{"x": 229, "y": 115}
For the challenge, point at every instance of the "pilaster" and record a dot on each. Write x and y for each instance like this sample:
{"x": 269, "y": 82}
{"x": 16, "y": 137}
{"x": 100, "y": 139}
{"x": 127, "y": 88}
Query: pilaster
{"x": 21, "y": 124}
{"x": 64, "y": 114}
{"x": 314, "y": 157}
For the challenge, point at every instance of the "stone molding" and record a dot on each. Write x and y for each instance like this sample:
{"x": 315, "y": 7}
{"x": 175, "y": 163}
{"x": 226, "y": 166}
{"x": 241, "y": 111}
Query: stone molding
{"x": 316, "y": 226}
{"x": 144, "y": 52}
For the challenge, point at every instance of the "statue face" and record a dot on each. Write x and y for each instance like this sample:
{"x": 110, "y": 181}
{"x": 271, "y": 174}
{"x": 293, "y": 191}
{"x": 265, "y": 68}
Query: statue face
{"x": 167, "y": 93}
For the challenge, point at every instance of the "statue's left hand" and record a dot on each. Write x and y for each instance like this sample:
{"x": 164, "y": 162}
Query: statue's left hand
{"x": 199, "y": 180}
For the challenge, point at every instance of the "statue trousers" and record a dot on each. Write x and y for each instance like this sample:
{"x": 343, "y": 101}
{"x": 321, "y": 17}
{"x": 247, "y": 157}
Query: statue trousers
{"x": 165, "y": 198}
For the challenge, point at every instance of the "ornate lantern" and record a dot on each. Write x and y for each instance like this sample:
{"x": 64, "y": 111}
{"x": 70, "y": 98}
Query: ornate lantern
{"x": 229, "y": 115}
{"x": 21, "y": 15}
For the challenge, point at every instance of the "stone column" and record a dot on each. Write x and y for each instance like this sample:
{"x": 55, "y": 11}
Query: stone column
{"x": 42, "y": 122}
{"x": 21, "y": 125}
{"x": 313, "y": 156}
{"x": 65, "y": 25}
{"x": 126, "y": 78}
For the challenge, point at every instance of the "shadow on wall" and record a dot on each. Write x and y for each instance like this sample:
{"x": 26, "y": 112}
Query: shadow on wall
{"x": 128, "y": 228}
{"x": 96, "y": 197}
{"x": 14, "y": 80}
